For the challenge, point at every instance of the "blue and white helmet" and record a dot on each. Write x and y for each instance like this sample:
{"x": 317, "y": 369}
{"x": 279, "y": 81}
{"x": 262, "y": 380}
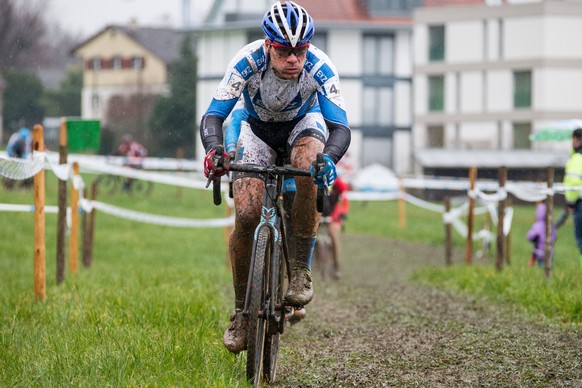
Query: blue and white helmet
{"x": 288, "y": 24}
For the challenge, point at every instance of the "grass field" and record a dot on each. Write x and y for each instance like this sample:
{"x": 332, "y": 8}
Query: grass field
{"x": 152, "y": 308}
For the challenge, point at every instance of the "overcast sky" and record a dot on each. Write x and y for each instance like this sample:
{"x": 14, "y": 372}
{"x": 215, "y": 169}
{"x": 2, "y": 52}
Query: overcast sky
{"x": 86, "y": 17}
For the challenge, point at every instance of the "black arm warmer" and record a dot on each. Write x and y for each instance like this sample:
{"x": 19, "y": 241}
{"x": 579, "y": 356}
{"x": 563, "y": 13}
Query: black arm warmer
{"x": 211, "y": 131}
{"x": 338, "y": 141}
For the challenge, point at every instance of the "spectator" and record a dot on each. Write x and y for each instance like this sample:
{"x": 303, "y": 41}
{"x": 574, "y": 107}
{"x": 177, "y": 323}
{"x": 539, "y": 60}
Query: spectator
{"x": 537, "y": 235}
{"x": 135, "y": 153}
{"x": 20, "y": 144}
{"x": 573, "y": 180}
{"x": 20, "y": 147}
{"x": 337, "y": 209}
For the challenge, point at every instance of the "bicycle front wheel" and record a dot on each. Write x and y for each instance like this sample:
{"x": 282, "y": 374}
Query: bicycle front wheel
{"x": 108, "y": 184}
{"x": 274, "y": 328}
{"x": 258, "y": 306}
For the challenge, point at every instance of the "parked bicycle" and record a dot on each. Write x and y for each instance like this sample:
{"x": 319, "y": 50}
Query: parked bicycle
{"x": 111, "y": 184}
{"x": 269, "y": 269}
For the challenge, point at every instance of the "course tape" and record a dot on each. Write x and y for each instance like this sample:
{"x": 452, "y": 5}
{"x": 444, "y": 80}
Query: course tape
{"x": 23, "y": 169}
{"x": 155, "y": 219}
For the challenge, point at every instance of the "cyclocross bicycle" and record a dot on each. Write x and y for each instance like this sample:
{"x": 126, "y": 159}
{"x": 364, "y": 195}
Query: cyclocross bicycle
{"x": 269, "y": 270}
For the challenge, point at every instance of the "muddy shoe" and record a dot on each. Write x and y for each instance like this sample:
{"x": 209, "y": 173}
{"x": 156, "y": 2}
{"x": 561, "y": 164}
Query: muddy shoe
{"x": 235, "y": 336}
{"x": 300, "y": 290}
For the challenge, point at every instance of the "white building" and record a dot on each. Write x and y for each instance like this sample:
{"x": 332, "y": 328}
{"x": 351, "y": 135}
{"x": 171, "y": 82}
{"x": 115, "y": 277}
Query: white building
{"x": 486, "y": 77}
{"x": 372, "y": 53}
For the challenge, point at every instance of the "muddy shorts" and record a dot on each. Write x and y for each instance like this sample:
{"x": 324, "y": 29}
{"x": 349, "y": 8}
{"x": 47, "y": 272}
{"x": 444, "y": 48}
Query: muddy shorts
{"x": 260, "y": 142}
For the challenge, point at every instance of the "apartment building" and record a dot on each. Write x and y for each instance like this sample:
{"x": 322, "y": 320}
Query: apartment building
{"x": 486, "y": 76}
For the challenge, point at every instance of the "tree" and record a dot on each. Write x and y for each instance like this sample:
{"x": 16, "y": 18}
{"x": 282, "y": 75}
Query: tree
{"x": 22, "y": 27}
{"x": 66, "y": 100}
{"x": 22, "y": 100}
{"x": 173, "y": 119}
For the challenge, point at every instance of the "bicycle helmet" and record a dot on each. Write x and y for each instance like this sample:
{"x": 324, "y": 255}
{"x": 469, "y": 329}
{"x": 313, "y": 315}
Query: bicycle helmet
{"x": 288, "y": 24}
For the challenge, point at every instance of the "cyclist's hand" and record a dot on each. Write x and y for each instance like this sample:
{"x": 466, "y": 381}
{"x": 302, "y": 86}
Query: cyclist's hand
{"x": 323, "y": 175}
{"x": 216, "y": 162}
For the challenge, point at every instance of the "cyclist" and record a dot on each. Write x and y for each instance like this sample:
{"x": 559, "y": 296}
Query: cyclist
{"x": 20, "y": 147}
{"x": 135, "y": 154}
{"x": 292, "y": 95}
{"x": 337, "y": 210}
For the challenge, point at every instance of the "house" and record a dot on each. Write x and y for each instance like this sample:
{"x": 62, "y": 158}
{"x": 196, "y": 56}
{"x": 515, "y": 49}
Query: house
{"x": 124, "y": 68}
{"x": 488, "y": 75}
{"x": 370, "y": 45}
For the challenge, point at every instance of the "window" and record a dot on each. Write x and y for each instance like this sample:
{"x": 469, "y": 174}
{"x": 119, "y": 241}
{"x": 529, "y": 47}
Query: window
{"x": 521, "y": 132}
{"x": 436, "y": 93}
{"x": 95, "y": 63}
{"x": 255, "y": 35}
{"x": 378, "y": 109}
{"x": 116, "y": 62}
{"x": 436, "y": 50}
{"x": 137, "y": 63}
{"x": 319, "y": 40}
{"x": 435, "y": 136}
{"x": 522, "y": 89}
{"x": 95, "y": 103}
{"x": 378, "y": 55}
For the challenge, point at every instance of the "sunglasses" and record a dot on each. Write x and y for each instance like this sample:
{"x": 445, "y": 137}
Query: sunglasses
{"x": 286, "y": 51}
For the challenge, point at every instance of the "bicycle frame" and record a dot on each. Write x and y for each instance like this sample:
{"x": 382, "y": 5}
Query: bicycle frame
{"x": 271, "y": 217}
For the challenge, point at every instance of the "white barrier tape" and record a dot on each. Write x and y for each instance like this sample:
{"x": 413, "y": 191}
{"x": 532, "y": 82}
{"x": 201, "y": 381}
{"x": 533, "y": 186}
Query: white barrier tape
{"x": 20, "y": 169}
{"x": 165, "y": 178}
{"x": 507, "y": 221}
{"x": 423, "y": 204}
{"x": 159, "y": 220}
{"x": 372, "y": 196}
{"x": 472, "y": 194}
{"x": 7, "y": 207}
{"x": 527, "y": 194}
{"x": 495, "y": 197}
{"x": 78, "y": 183}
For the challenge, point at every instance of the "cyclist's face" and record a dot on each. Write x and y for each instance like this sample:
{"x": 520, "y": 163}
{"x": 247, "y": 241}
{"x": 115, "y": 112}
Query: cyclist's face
{"x": 286, "y": 61}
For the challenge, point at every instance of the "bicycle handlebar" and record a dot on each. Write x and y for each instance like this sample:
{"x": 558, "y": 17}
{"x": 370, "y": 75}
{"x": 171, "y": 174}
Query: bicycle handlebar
{"x": 277, "y": 170}
{"x": 273, "y": 169}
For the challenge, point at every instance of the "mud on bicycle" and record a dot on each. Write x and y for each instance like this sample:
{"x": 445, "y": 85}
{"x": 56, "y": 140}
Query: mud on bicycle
{"x": 269, "y": 272}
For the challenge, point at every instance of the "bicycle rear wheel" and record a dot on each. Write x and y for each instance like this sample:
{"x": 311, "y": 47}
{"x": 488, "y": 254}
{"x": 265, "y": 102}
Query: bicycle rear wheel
{"x": 140, "y": 187}
{"x": 324, "y": 253}
{"x": 258, "y": 307}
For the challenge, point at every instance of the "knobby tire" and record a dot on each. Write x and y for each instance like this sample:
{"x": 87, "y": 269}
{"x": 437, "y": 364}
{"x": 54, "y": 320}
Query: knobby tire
{"x": 257, "y": 303}
{"x": 274, "y": 329}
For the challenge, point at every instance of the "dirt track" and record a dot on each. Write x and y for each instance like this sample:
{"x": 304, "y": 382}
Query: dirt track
{"x": 374, "y": 329}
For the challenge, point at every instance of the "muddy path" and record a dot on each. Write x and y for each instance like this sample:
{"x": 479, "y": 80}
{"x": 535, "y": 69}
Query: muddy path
{"x": 373, "y": 328}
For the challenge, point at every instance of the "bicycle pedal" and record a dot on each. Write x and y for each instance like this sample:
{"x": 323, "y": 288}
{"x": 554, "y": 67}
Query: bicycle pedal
{"x": 297, "y": 314}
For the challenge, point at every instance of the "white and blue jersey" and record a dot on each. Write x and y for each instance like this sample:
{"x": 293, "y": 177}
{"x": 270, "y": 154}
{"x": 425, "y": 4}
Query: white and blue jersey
{"x": 313, "y": 99}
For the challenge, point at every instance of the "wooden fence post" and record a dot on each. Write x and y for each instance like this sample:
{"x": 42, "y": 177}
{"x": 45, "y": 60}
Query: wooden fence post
{"x": 500, "y": 220}
{"x": 448, "y": 233}
{"x": 470, "y": 218}
{"x": 91, "y": 228}
{"x": 508, "y": 240}
{"x": 39, "y": 220}
{"x": 62, "y": 202}
{"x": 549, "y": 223}
{"x": 74, "y": 237}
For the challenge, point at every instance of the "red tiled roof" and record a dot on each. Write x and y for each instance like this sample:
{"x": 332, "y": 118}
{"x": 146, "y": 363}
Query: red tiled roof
{"x": 441, "y": 3}
{"x": 344, "y": 11}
